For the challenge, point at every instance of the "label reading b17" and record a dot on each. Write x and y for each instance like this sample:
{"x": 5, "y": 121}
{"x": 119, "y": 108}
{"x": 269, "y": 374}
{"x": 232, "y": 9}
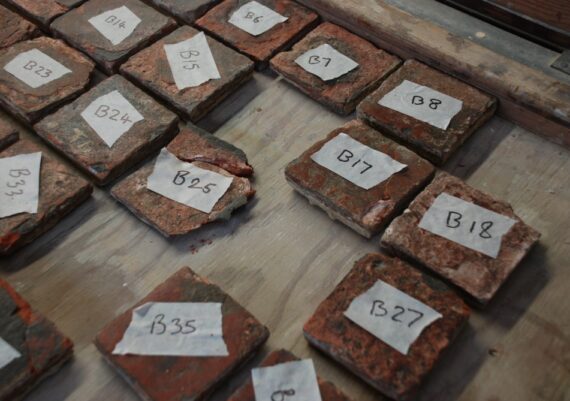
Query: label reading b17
{"x": 36, "y": 68}
{"x": 116, "y": 25}
{"x": 255, "y": 18}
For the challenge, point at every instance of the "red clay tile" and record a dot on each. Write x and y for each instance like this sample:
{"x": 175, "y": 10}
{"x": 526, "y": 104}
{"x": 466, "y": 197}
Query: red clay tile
{"x": 391, "y": 372}
{"x": 45, "y": 11}
{"x": 15, "y": 28}
{"x": 175, "y": 378}
{"x": 8, "y": 135}
{"x": 187, "y": 11}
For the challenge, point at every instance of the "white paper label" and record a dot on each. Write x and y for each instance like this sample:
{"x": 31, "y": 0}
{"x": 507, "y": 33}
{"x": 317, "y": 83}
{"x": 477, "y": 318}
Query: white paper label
{"x": 36, "y": 68}
{"x": 186, "y": 183}
{"x": 467, "y": 224}
{"x": 7, "y": 353}
{"x": 423, "y": 103}
{"x": 191, "y": 62}
{"x": 326, "y": 62}
{"x": 291, "y": 381}
{"x": 255, "y": 18}
{"x": 116, "y": 25}
{"x": 391, "y": 315}
{"x": 356, "y": 162}
{"x": 110, "y": 116}
{"x": 20, "y": 184}
{"x": 175, "y": 329}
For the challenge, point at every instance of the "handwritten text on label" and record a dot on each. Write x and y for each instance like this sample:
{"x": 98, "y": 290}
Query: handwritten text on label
{"x": 20, "y": 184}
{"x": 7, "y": 353}
{"x": 291, "y": 381}
{"x": 116, "y": 25}
{"x": 255, "y": 18}
{"x": 326, "y": 62}
{"x": 36, "y": 68}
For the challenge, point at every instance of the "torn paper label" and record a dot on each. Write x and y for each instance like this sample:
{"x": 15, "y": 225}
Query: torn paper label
{"x": 116, "y": 25}
{"x": 175, "y": 329}
{"x": 186, "y": 183}
{"x": 290, "y": 381}
{"x": 391, "y": 315}
{"x": 191, "y": 62}
{"x": 7, "y": 353}
{"x": 326, "y": 62}
{"x": 36, "y": 68}
{"x": 356, "y": 162}
{"x": 20, "y": 184}
{"x": 110, "y": 116}
{"x": 422, "y": 103}
{"x": 467, "y": 224}
{"x": 255, "y": 18}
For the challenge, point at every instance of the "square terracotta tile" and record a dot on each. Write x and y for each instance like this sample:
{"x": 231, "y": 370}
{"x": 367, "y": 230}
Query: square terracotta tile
{"x": 110, "y": 31}
{"x": 45, "y": 11}
{"x": 187, "y": 11}
{"x": 39, "y": 75}
{"x": 8, "y": 134}
{"x": 339, "y": 80}
{"x": 329, "y": 392}
{"x": 106, "y": 141}
{"x": 172, "y": 218}
{"x": 347, "y": 198}
{"x": 427, "y": 110}
{"x": 472, "y": 267}
{"x": 61, "y": 191}
{"x": 15, "y": 28}
{"x": 150, "y": 69}
{"x": 38, "y": 349}
{"x": 395, "y": 373}
{"x": 179, "y": 378}
{"x": 259, "y": 40}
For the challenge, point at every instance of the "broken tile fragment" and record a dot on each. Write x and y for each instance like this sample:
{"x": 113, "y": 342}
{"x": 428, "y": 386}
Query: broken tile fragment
{"x": 476, "y": 224}
{"x": 8, "y": 135}
{"x": 39, "y": 75}
{"x": 259, "y": 29}
{"x": 336, "y": 186}
{"x": 427, "y": 110}
{"x": 15, "y": 28}
{"x": 151, "y": 69}
{"x": 110, "y": 31}
{"x": 61, "y": 191}
{"x": 45, "y": 11}
{"x": 187, "y": 11}
{"x": 390, "y": 316}
{"x": 36, "y": 348}
{"x": 178, "y": 378}
{"x": 335, "y": 67}
{"x": 109, "y": 129}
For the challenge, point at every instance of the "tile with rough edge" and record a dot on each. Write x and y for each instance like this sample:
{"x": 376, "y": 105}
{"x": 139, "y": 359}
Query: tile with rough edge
{"x": 75, "y": 28}
{"x": 175, "y": 378}
{"x": 479, "y": 275}
{"x": 394, "y": 374}
{"x": 70, "y": 134}
{"x": 8, "y": 135}
{"x": 42, "y": 347}
{"x": 150, "y": 69}
{"x": 45, "y": 11}
{"x": 61, "y": 191}
{"x": 31, "y": 104}
{"x": 259, "y": 48}
{"x": 15, "y": 28}
{"x": 365, "y": 211}
{"x": 343, "y": 93}
{"x": 187, "y": 11}
{"x": 433, "y": 143}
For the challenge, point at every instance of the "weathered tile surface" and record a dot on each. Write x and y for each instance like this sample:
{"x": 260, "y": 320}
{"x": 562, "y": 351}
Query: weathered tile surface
{"x": 42, "y": 347}
{"x": 344, "y": 93}
{"x": 70, "y": 134}
{"x": 260, "y": 48}
{"x": 150, "y": 69}
{"x": 431, "y": 142}
{"x": 75, "y": 28}
{"x": 395, "y": 374}
{"x": 185, "y": 10}
{"x": 45, "y": 11}
{"x": 161, "y": 378}
{"x": 61, "y": 191}
{"x": 8, "y": 134}
{"x": 30, "y": 104}
{"x": 365, "y": 211}
{"x": 15, "y": 28}
{"x": 477, "y": 274}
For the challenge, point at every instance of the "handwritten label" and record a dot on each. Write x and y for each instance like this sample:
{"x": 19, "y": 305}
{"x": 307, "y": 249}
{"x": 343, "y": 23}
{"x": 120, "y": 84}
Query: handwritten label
{"x": 110, "y": 116}
{"x": 20, "y": 184}
{"x": 116, "y": 25}
{"x": 192, "y": 62}
{"x": 36, "y": 68}
{"x": 175, "y": 329}
{"x": 186, "y": 183}
{"x": 423, "y": 103}
{"x": 326, "y": 62}
{"x": 7, "y": 353}
{"x": 291, "y": 381}
{"x": 356, "y": 162}
{"x": 467, "y": 224}
{"x": 255, "y": 18}
{"x": 391, "y": 315}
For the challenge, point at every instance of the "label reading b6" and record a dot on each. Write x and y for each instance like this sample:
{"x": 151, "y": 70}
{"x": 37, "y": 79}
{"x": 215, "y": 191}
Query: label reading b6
{"x": 255, "y": 18}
